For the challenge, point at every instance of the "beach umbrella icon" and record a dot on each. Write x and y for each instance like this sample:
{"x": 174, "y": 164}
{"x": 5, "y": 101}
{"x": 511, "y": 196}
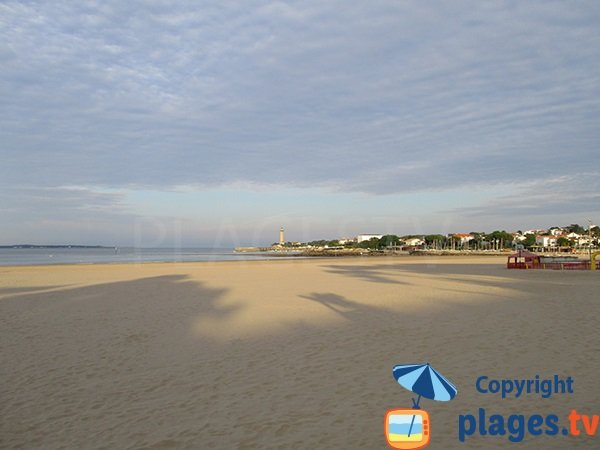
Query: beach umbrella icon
{"x": 425, "y": 381}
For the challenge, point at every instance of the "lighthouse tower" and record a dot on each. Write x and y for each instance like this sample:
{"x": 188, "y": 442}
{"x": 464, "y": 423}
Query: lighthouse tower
{"x": 281, "y": 236}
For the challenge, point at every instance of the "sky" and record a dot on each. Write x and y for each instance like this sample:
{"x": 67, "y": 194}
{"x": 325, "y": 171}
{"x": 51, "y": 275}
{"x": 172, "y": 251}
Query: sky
{"x": 211, "y": 123}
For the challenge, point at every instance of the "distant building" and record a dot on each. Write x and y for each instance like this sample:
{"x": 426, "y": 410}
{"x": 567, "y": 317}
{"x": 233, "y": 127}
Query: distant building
{"x": 413, "y": 242}
{"x": 582, "y": 240}
{"x": 538, "y": 231}
{"x": 557, "y": 231}
{"x": 518, "y": 237}
{"x": 281, "y": 236}
{"x": 346, "y": 240}
{"x": 462, "y": 237}
{"x": 546, "y": 240}
{"x": 367, "y": 237}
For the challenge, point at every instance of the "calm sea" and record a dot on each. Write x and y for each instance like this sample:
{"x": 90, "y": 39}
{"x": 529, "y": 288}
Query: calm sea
{"x": 36, "y": 256}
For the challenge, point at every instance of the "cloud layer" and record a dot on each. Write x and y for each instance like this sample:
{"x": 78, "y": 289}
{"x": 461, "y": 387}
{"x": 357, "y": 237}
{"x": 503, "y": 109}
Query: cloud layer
{"x": 561, "y": 196}
{"x": 390, "y": 97}
{"x": 381, "y": 98}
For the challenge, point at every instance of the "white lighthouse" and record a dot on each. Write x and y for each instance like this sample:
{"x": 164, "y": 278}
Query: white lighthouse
{"x": 281, "y": 236}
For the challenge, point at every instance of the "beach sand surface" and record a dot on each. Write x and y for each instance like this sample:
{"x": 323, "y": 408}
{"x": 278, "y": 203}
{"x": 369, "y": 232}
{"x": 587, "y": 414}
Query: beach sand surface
{"x": 294, "y": 354}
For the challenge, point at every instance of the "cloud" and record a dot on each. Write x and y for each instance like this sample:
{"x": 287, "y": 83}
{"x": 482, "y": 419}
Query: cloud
{"x": 67, "y": 214}
{"x": 61, "y": 199}
{"x": 566, "y": 195}
{"x": 381, "y": 98}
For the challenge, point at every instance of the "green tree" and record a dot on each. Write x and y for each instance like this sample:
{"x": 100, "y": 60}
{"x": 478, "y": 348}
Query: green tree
{"x": 431, "y": 238}
{"x": 529, "y": 240}
{"x": 502, "y": 236}
{"x": 564, "y": 242}
{"x": 478, "y": 239}
{"x": 372, "y": 243}
{"x": 576, "y": 228}
{"x": 388, "y": 239}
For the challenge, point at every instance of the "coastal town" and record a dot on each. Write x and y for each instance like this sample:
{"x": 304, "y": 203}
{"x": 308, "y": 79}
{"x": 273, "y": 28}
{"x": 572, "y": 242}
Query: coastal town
{"x": 572, "y": 238}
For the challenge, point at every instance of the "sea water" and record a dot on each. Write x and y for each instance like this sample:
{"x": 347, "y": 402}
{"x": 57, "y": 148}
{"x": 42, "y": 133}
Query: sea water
{"x": 42, "y": 256}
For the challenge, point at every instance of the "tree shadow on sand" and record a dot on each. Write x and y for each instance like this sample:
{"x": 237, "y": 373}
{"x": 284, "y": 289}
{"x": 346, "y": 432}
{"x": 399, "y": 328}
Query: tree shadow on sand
{"x": 374, "y": 273}
{"x": 340, "y": 305}
{"x": 486, "y": 275}
{"x": 27, "y": 290}
{"x": 173, "y": 299}
{"x": 118, "y": 364}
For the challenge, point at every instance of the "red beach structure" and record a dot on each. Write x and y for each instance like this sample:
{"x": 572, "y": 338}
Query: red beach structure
{"x": 527, "y": 260}
{"x": 523, "y": 260}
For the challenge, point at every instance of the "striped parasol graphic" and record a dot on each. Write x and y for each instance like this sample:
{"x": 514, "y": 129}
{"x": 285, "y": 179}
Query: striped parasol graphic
{"x": 425, "y": 381}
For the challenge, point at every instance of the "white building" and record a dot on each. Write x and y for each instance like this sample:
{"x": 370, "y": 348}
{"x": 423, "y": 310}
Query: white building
{"x": 463, "y": 238}
{"x": 538, "y": 231}
{"x": 546, "y": 240}
{"x": 557, "y": 231}
{"x": 413, "y": 242}
{"x": 367, "y": 237}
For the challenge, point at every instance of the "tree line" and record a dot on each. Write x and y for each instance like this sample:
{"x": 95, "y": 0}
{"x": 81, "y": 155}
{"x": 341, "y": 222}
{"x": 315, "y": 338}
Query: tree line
{"x": 496, "y": 240}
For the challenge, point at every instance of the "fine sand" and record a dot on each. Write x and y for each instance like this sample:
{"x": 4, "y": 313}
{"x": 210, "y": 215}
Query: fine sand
{"x": 284, "y": 354}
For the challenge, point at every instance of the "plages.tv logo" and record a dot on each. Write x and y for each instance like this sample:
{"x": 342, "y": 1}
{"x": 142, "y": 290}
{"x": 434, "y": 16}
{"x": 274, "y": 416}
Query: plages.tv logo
{"x": 410, "y": 428}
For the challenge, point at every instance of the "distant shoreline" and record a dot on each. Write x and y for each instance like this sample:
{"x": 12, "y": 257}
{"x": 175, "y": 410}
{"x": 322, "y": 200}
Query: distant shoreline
{"x": 53, "y": 255}
{"x": 52, "y": 246}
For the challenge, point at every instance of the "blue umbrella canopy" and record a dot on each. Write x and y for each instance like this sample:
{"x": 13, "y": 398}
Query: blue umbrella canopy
{"x": 425, "y": 381}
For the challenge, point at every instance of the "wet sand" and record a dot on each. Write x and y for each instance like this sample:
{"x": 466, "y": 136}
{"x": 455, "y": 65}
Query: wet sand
{"x": 283, "y": 354}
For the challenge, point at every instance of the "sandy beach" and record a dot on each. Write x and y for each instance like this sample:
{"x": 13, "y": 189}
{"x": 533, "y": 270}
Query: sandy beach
{"x": 283, "y": 354}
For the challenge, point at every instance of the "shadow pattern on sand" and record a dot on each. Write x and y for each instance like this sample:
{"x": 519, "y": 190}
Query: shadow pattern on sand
{"x": 485, "y": 275}
{"x": 348, "y": 309}
{"x": 27, "y": 290}
{"x": 375, "y": 274}
{"x": 105, "y": 367}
